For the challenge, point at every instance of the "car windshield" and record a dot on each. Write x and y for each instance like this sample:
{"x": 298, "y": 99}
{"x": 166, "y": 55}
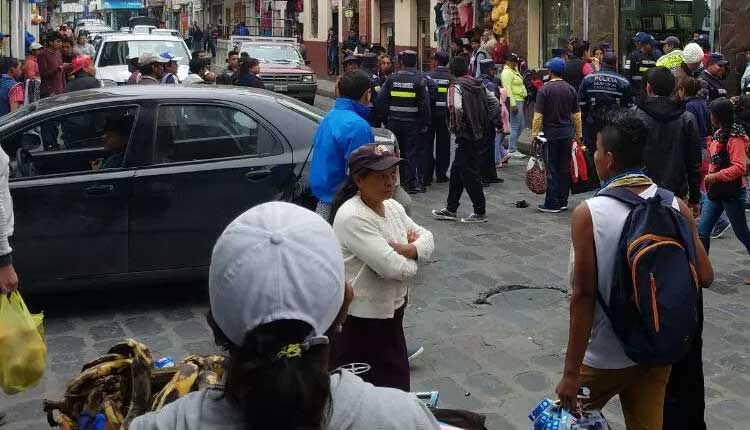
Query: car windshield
{"x": 20, "y": 112}
{"x": 273, "y": 53}
{"x": 116, "y": 53}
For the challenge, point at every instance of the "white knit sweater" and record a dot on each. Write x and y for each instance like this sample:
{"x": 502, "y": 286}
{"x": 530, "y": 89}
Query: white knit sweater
{"x": 6, "y": 206}
{"x": 378, "y": 274}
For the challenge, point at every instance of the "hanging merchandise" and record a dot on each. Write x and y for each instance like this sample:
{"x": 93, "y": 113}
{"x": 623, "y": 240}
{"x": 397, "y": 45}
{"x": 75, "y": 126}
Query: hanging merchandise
{"x": 500, "y": 17}
{"x": 439, "y": 19}
{"x": 466, "y": 15}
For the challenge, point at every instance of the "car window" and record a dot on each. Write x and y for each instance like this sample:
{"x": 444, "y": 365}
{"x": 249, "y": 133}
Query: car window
{"x": 116, "y": 53}
{"x": 304, "y": 109}
{"x": 80, "y": 141}
{"x": 273, "y": 53}
{"x": 204, "y": 132}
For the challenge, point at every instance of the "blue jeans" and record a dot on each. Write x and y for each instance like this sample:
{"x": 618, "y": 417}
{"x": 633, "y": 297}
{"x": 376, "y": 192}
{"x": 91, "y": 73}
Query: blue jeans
{"x": 735, "y": 210}
{"x": 516, "y": 127}
{"x": 500, "y": 150}
{"x": 333, "y": 60}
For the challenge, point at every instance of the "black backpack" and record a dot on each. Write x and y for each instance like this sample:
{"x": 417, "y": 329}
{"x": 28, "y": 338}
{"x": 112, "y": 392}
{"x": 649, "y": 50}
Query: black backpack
{"x": 653, "y": 304}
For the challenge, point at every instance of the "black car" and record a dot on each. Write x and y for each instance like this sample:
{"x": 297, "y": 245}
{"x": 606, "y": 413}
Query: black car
{"x": 136, "y": 181}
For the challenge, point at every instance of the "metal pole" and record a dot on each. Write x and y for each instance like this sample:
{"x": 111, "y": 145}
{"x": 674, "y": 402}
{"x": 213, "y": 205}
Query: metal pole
{"x": 17, "y": 34}
{"x": 585, "y": 19}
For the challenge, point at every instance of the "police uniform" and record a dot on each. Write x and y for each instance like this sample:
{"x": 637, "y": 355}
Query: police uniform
{"x": 600, "y": 93}
{"x": 439, "y": 164}
{"x": 487, "y": 151}
{"x": 404, "y": 105}
{"x": 638, "y": 64}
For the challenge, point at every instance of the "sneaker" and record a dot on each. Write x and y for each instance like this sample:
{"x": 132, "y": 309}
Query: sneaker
{"x": 545, "y": 209}
{"x": 505, "y": 159}
{"x": 517, "y": 155}
{"x": 494, "y": 180}
{"x": 411, "y": 190}
{"x": 444, "y": 214}
{"x": 720, "y": 228}
{"x": 474, "y": 219}
{"x": 414, "y": 352}
{"x": 503, "y": 165}
{"x": 420, "y": 189}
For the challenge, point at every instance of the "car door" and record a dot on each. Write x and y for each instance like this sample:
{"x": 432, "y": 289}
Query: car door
{"x": 70, "y": 221}
{"x": 212, "y": 162}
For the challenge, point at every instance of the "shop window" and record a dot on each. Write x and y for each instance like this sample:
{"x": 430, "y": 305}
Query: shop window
{"x": 314, "y": 18}
{"x": 557, "y": 25}
{"x": 663, "y": 18}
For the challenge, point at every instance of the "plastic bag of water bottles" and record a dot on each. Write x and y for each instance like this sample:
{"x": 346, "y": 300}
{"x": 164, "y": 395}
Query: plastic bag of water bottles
{"x": 549, "y": 415}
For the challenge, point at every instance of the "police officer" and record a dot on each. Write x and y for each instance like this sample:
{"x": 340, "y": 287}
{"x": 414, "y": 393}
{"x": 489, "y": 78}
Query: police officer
{"x": 439, "y": 164}
{"x": 404, "y": 105}
{"x": 370, "y": 66}
{"x": 487, "y": 171}
{"x": 639, "y": 62}
{"x": 600, "y": 93}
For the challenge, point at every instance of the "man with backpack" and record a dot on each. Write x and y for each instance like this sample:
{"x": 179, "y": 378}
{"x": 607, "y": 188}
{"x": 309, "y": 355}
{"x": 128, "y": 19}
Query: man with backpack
{"x": 630, "y": 322}
{"x": 468, "y": 113}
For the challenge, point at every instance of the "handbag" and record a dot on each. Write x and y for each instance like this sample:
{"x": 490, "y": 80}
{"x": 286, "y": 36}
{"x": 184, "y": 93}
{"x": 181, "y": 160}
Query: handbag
{"x": 585, "y": 161}
{"x": 723, "y": 190}
{"x": 536, "y": 176}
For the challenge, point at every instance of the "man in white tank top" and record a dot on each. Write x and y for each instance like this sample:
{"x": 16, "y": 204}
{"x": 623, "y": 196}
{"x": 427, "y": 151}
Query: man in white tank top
{"x": 595, "y": 357}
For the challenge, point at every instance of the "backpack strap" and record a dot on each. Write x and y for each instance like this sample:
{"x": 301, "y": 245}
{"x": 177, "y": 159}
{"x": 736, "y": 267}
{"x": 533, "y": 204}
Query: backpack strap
{"x": 622, "y": 195}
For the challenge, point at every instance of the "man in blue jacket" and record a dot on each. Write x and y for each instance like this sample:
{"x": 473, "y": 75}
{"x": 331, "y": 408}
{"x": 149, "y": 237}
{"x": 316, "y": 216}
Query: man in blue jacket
{"x": 343, "y": 130}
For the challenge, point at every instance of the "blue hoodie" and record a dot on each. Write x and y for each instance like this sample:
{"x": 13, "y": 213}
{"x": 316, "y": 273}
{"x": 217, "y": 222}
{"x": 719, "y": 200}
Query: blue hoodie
{"x": 343, "y": 130}
{"x": 698, "y": 107}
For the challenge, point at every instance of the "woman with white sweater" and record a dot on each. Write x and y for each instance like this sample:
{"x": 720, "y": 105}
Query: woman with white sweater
{"x": 381, "y": 247}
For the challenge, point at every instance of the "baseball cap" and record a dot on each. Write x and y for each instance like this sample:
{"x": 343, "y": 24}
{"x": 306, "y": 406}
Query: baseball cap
{"x": 34, "y": 46}
{"x": 148, "y": 58}
{"x": 486, "y": 64}
{"x": 692, "y": 53}
{"x": 556, "y": 66}
{"x": 169, "y": 57}
{"x": 442, "y": 56}
{"x": 370, "y": 60}
{"x": 610, "y": 58}
{"x": 644, "y": 38}
{"x": 277, "y": 261}
{"x": 372, "y": 157}
{"x": 350, "y": 58}
{"x": 79, "y": 63}
{"x": 407, "y": 54}
{"x": 672, "y": 41}
{"x": 716, "y": 58}
{"x": 512, "y": 57}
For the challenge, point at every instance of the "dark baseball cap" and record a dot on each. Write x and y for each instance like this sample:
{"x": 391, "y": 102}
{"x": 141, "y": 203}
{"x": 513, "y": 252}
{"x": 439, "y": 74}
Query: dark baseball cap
{"x": 610, "y": 58}
{"x": 644, "y": 38}
{"x": 373, "y": 157}
{"x": 442, "y": 56}
{"x": 716, "y": 58}
{"x": 351, "y": 58}
{"x": 511, "y": 56}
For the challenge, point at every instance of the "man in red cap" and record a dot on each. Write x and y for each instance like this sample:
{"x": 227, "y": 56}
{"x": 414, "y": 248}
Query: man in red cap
{"x": 84, "y": 74}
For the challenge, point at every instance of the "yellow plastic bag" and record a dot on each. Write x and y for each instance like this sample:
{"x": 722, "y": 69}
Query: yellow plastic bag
{"x": 23, "y": 353}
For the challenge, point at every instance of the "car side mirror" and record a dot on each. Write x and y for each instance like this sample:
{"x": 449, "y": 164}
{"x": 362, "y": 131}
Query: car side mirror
{"x": 307, "y": 62}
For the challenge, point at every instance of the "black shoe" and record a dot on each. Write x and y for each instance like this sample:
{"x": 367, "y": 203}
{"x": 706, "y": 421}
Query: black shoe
{"x": 485, "y": 184}
{"x": 411, "y": 190}
{"x": 421, "y": 189}
{"x": 495, "y": 180}
{"x": 442, "y": 180}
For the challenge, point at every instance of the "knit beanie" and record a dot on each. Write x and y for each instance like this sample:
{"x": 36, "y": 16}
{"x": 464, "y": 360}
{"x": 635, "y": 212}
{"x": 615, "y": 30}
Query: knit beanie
{"x": 692, "y": 53}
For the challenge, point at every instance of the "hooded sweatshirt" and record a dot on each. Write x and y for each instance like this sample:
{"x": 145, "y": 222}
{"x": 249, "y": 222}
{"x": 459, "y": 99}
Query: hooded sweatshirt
{"x": 672, "y": 154}
{"x": 356, "y": 405}
{"x": 468, "y": 108}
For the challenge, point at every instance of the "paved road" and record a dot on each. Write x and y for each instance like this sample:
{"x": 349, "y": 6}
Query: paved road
{"x": 490, "y": 309}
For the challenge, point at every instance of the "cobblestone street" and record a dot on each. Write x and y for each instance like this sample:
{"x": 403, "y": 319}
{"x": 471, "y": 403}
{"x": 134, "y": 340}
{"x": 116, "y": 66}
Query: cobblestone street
{"x": 490, "y": 309}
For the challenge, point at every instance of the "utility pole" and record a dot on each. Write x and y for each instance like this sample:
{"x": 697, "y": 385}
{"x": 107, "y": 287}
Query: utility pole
{"x": 18, "y": 21}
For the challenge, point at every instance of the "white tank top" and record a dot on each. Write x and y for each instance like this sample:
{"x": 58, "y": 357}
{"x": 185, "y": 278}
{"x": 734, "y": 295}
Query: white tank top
{"x": 608, "y": 217}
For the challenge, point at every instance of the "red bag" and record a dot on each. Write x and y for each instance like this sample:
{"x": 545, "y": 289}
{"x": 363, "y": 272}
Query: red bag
{"x": 578, "y": 170}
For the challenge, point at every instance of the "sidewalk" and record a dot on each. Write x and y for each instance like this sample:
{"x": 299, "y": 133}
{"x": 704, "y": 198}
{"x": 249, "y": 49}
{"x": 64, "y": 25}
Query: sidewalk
{"x": 326, "y": 89}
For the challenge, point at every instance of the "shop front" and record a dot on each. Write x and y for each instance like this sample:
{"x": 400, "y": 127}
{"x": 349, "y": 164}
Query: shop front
{"x": 118, "y": 12}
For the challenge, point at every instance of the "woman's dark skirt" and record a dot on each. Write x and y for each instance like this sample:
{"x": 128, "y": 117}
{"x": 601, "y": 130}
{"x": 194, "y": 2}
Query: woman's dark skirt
{"x": 379, "y": 343}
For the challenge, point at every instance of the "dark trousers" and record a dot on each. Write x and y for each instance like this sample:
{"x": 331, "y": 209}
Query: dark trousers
{"x": 437, "y": 149}
{"x": 379, "y": 343}
{"x": 684, "y": 402}
{"x": 590, "y": 132}
{"x": 557, "y": 161}
{"x": 487, "y": 168}
{"x": 409, "y": 143}
{"x": 465, "y": 174}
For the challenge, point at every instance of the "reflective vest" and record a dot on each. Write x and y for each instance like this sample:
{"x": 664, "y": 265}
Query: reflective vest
{"x": 403, "y": 89}
{"x": 441, "y": 76}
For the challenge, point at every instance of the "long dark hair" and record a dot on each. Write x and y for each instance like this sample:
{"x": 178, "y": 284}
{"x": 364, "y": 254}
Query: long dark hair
{"x": 347, "y": 191}
{"x": 723, "y": 110}
{"x": 279, "y": 393}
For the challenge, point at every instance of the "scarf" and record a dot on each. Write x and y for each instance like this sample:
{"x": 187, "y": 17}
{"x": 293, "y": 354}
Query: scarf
{"x": 721, "y": 158}
{"x": 630, "y": 178}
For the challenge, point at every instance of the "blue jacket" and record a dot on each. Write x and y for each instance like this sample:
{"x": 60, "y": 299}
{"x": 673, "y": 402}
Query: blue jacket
{"x": 343, "y": 130}
{"x": 699, "y": 108}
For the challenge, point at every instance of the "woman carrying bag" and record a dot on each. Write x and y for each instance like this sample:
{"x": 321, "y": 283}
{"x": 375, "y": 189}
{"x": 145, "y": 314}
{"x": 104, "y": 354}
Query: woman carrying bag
{"x": 382, "y": 247}
{"x": 725, "y": 181}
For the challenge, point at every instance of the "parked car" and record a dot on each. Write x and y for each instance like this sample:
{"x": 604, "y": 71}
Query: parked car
{"x": 115, "y": 49}
{"x": 282, "y": 68}
{"x": 196, "y": 157}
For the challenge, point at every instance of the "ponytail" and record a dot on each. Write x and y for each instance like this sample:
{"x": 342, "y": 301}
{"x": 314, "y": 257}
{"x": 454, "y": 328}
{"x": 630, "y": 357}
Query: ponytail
{"x": 346, "y": 192}
{"x": 285, "y": 393}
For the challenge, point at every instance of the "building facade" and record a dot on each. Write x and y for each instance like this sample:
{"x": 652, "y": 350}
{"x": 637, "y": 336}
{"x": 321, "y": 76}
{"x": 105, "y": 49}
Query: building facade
{"x": 534, "y": 27}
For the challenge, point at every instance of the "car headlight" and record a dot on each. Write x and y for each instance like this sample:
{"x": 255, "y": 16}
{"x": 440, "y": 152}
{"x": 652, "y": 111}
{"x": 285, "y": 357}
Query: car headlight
{"x": 308, "y": 79}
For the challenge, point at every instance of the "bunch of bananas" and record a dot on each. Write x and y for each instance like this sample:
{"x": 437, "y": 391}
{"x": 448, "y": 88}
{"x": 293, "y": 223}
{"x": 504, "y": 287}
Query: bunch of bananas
{"x": 119, "y": 384}
{"x": 500, "y": 16}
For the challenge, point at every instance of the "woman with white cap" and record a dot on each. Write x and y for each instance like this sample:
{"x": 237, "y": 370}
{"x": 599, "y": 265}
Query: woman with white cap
{"x": 382, "y": 247}
{"x": 277, "y": 293}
